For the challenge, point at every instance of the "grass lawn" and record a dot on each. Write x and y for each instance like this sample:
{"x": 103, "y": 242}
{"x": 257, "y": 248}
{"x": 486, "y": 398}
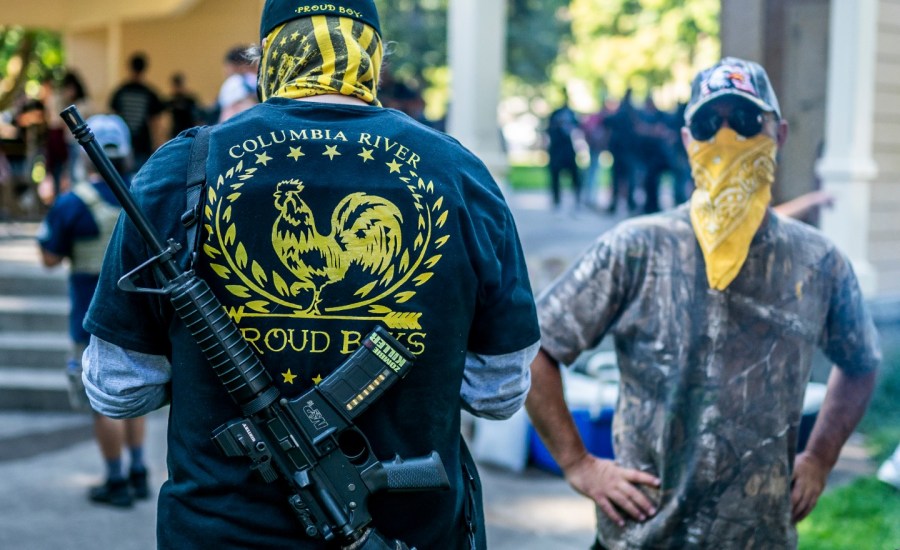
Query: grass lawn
{"x": 864, "y": 515}
{"x": 881, "y": 425}
{"x": 536, "y": 177}
{"x": 524, "y": 177}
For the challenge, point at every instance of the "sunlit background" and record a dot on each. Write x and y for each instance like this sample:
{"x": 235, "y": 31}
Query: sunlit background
{"x": 834, "y": 63}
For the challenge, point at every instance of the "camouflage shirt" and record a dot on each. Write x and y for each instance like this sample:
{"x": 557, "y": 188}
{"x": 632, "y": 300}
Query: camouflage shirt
{"x": 712, "y": 382}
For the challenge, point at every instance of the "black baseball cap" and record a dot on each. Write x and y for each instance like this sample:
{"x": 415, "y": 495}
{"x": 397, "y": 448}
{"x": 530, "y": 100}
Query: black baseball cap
{"x": 732, "y": 77}
{"x": 278, "y": 12}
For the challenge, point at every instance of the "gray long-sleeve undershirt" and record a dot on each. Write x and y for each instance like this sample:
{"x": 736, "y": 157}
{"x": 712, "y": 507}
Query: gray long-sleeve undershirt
{"x": 121, "y": 383}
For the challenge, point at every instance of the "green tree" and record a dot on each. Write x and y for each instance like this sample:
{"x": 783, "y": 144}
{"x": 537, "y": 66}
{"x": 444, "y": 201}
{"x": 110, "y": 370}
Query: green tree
{"x": 535, "y": 30}
{"x": 416, "y": 35}
{"x": 27, "y": 58}
{"x": 415, "y": 32}
{"x": 642, "y": 44}
{"x": 599, "y": 45}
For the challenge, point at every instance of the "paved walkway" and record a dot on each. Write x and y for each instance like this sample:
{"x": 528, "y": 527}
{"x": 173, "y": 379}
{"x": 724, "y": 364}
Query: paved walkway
{"x": 48, "y": 461}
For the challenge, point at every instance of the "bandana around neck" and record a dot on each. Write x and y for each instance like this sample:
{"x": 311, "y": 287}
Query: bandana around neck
{"x": 320, "y": 55}
{"x": 733, "y": 177}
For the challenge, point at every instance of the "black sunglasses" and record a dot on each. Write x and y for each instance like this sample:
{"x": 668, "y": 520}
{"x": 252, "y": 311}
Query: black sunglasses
{"x": 746, "y": 121}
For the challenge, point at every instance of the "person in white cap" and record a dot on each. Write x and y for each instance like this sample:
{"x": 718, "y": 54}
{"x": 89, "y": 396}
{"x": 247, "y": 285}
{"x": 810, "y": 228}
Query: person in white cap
{"x": 716, "y": 308}
{"x": 238, "y": 91}
{"x": 78, "y": 228}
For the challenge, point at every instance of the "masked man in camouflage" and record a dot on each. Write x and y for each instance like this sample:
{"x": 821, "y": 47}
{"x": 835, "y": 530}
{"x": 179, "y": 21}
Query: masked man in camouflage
{"x": 716, "y": 309}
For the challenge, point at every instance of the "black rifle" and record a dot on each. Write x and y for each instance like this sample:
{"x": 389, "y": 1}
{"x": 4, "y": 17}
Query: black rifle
{"x": 310, "y": 442}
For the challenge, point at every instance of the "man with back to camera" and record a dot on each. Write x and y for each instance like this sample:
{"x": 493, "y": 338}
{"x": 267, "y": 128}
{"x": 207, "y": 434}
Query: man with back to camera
{"x": 139, "y": 106}
{"x": 78, "y": 228}
{"x": 716, "y": 309}
{"x": 561, "y": 152}
{"x": 325, "y": 215}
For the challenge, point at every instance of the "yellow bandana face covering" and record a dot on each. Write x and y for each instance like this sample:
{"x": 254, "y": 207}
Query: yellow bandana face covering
{"x": 733, "y": 176}
{"x": 321, "y": 55}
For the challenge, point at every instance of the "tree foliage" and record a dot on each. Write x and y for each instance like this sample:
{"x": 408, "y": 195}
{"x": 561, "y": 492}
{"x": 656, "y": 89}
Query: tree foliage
{"x": 27, "y": 57}
{"x": 597, "y": 45}
{"x": 604, "y": 45}
{"x": 416, "y": 33}
{"x": 639, "y": 44}
{"x": 535, "y": 30}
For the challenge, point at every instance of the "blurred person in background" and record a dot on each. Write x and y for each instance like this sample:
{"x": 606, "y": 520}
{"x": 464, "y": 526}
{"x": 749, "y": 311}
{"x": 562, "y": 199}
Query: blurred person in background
{"x": 140, "y": 107}
{"x": 238, "y": 91}
{"x": 561, "y": 125}
{"x": 78, "y": 228}
{"x": 183, "y": 107}
{"x": 64, "y": 163}
{"x": 74, "y": 92}
{"x": 623, "y": 146}
{"x": 596, "y": 134}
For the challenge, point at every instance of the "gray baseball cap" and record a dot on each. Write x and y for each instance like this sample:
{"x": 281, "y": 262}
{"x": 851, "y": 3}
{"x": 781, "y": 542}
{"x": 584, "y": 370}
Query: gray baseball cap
{"x": 112, "y": 134}
{"x": 734, "y": 77}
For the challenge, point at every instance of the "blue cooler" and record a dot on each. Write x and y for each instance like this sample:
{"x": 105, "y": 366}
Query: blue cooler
{"x": 596, "y": 431}
{"x": 591, "y": 399}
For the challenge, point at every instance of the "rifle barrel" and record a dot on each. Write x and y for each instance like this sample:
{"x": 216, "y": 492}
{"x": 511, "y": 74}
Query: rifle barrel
{"x": 108, "y": 172}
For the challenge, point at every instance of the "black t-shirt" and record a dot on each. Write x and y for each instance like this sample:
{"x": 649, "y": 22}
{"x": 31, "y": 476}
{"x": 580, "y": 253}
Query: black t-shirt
{"x": 560, "y": 126}
{"x": 319, "y": 223}
{"x": 137, "y": 104}
{"x": 185, "y": 112}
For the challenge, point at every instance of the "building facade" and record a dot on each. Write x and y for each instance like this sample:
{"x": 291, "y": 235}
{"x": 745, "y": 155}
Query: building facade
{"x": 192, "y": 37}
{"x": 835, "y": 65}
{"x": 187, "y": 36}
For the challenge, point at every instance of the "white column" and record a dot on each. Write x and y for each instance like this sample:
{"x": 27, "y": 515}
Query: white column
{"x": 477, "y": 53}
{"x": 847, "y": 167}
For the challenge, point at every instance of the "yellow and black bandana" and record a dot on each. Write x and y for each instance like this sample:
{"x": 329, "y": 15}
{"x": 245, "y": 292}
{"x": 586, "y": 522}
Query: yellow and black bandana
{"x": 321, "y": 55}
{"x": 733, "y": 176}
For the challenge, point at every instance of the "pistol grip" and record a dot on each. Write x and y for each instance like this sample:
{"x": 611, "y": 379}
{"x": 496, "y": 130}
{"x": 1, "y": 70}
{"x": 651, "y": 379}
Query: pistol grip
{"x": 404, "y": 475}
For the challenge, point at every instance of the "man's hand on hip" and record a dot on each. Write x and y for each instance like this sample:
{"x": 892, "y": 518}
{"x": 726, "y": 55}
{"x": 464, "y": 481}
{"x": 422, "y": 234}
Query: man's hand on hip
{"x": 844, "y": 406}
{"x": 612, "y": 487}
{"x": 809, "y": 478}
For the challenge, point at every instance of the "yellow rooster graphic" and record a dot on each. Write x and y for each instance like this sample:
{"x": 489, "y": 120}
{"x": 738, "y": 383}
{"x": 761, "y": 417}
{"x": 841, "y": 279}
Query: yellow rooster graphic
{"x": 365, "y": 231}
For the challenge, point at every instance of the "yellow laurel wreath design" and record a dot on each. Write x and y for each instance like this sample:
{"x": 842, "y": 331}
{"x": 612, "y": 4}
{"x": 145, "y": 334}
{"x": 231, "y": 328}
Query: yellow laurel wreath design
{"x": 231, "y": 267}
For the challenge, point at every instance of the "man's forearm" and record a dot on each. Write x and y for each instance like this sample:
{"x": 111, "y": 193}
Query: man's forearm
{"x": 843, "y": 408}
{"x": 49, "y": 259}
{"x": 546, "y": 405}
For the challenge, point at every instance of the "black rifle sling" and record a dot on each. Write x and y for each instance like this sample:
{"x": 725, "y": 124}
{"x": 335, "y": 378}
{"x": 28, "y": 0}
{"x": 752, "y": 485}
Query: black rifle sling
{"x": 196, "y": 180}
{"x": 473, "y": 506}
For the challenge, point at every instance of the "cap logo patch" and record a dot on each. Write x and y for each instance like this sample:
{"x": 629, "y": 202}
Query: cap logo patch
{"x": 728, "y": 77}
